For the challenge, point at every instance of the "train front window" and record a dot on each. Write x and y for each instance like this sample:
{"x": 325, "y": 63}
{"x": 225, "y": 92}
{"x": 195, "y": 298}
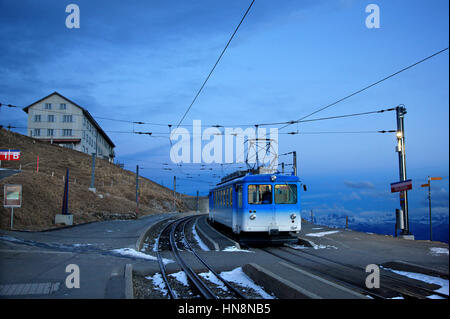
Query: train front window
{"x": 260, "y": 194}
{"x": 285, "y": 194}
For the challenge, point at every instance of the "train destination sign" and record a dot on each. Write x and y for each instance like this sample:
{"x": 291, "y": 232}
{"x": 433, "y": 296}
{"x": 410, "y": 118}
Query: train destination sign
{"x": 12, "y": 195}
{"x": 401, "y": 186}
{"x": 9, "y": 155}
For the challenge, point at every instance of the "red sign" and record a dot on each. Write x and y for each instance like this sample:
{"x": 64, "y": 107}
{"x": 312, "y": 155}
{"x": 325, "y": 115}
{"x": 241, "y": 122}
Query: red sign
{"x": 9, "y": 155}
{"x": 401, "y": 186}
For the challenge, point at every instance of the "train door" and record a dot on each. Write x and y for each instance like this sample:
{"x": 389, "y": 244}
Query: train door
{"x": 237, "y": 208}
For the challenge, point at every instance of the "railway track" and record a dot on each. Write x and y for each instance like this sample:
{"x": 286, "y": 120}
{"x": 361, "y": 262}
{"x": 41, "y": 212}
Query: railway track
{"x": 174, "y": 231}
{"x": 352, "y": 277}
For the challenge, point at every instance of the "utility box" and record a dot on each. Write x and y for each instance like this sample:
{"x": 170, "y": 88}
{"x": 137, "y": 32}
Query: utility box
{"x": 399, "y": 219}
{"x": 66, "y": 219}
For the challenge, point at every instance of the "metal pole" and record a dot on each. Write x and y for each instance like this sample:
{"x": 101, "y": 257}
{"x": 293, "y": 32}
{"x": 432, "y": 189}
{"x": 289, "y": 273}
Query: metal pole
{"x": 12, "y": 217}
{"x": 295, "y": 162}
{"x": 65, "y": 204}
{"x": 256, "y": 147}
{"x": 174, "y": 192}
{"x": 197, "y": 201}
{"x": 429, "y": 204}
{"x": 137, "y": 188}
{"x": 401, "y": 111}
{"x": 282, "y": 168}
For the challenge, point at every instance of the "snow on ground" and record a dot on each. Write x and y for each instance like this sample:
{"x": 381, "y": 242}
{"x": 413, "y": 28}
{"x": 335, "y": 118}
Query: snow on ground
{"x": 181, "y": 277}
{"x": 210, "y": 277}
{"x": 315, "y": 246}
{"x": 158, "y": 282}
{"x": 155, "y": 246}
{"x": 235, "y": 249}
{"x": 144, "y": 247}
{"x": 129, "y": 252}
{"x": 437, "y": 251}
{"x": 321, "y": 234}
{"x": 198, "y": 239}
{"x": 238, "y": 276}
{"x": 425, "y": 278}
{"x": 317, "y": 228}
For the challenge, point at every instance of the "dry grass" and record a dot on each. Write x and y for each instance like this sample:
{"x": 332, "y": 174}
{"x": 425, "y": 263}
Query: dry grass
{"x": 43, "y": 190}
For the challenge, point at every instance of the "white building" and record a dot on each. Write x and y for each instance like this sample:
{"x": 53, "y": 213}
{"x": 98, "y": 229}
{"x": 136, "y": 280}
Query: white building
{"x": 58, "y": 120}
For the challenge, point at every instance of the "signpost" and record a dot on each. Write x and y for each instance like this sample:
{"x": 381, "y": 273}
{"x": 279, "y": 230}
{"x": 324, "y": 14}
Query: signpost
{"x": 429, "y": 199}
{"x": 12, "y": 198}
{"x": 401, "y": 186}
{"x": 9, "y": 155}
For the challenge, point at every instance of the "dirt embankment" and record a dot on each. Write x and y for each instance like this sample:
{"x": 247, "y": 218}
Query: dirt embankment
{"x": 43, "y": 190}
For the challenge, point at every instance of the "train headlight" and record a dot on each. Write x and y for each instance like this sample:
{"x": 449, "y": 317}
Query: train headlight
{"x": 273, "y": 178}
{"x": 252, "y": 216}
{"x": 293, "y": 216}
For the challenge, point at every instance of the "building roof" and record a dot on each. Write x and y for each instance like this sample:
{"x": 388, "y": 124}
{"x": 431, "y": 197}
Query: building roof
{"x": 85, "y": 112}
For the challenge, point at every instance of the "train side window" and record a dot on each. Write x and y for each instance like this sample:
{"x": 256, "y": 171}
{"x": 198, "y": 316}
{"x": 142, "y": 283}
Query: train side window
{"x": 231, "y": 196}
{"x": 260, "y": 194}
{"x": 225, "y": 199}
{"x": 239, "y": 193}
{"x": 286, "y": 194}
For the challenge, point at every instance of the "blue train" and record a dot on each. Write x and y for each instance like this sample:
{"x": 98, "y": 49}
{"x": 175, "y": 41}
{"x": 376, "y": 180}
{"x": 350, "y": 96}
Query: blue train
{"x": 258, "y": 207}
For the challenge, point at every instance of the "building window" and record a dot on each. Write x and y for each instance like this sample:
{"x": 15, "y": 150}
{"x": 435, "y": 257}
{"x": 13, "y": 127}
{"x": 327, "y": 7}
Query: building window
{"x": 62, "y": 106}
{"x": 50, "y": 132}
{"x": 37, "y": 132}
{"x": 51, "y": 118}
{"x": 67, "y": 118}
{"x": 37, "y": 118}
{"x": 48, "y": 106}
{"x": 67, "y": 132}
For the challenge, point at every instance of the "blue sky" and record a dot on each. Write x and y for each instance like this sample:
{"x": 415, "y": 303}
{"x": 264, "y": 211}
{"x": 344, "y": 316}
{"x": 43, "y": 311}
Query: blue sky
{"x": 145, "y": 60}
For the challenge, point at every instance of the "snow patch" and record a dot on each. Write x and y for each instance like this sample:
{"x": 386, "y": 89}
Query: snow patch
{"x": 321, "y": 234}
{"x": 181, "y": 277}
{"x": 198, "y": 239}
{"x": 129, "y": 252}
{"x": 212, "y": 278}
{"x": 158, "y": 283}
{"x": 436, "y": 251}
{"x": 425, "y": 278}
{"x": 315, "y": 246}
{"x": 238, "y": 276}
{"x": 235, "y": 249}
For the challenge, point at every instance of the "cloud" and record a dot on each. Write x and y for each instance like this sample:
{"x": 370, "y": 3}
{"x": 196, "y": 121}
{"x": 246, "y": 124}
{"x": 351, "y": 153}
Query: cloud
{"x": 352, "y": 196}
{"x": 360, "y": 185}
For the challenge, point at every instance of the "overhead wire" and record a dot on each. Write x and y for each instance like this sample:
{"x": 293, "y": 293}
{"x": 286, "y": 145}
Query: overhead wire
{"x": 217, "y": 62}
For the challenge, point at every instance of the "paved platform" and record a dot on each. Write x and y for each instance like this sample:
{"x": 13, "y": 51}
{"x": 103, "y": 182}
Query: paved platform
{"x": 33, "y": 264}
{"x": 360, "y": 249}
